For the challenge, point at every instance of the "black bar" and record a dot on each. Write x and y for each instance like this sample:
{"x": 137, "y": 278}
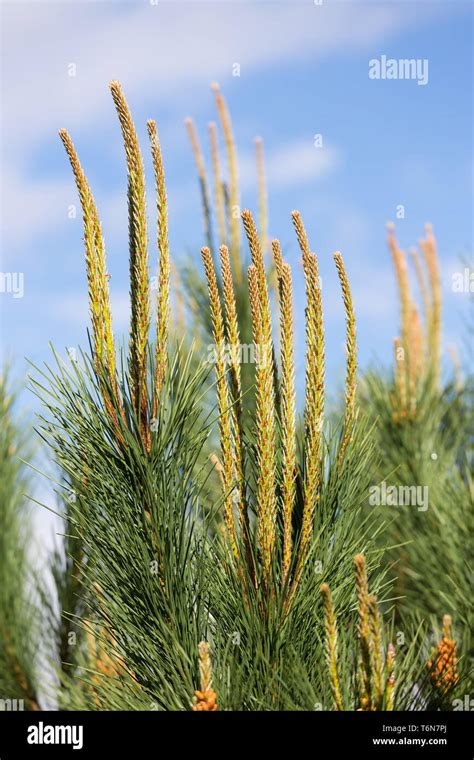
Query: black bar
{"x": 314, "y": 734}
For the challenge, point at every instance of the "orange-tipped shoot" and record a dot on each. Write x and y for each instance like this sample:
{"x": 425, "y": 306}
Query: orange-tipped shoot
{"x": 234, "y": 211}
{"x": 376, "y": 651}
{"x": 288, "y": 412}
{"x": 265, "y": 434}
{"x": 390, "y": 682}
{"x": 351, "y": 354}
{"x": 225, "y": 424}
{"x": 138, "y": 244}
{"x": 443, "y": 663}
{"x": 163, "y": 306}
{"x": 401, "y": 270}
{"x": 314, "y": 406}
{"x": 219, "y": 194}
{"x": 364, "y": 631}
{"x": 262, "y": 194}
{"x": 205, "y": 699}
{"x": 202, "y": 177}
{"x": 235, "y": 381}
{"x": 97, "y": 276}
{"x": 331, "y": 644}
{"x": 429, "y": 248}
{"x": 265, "y": 400}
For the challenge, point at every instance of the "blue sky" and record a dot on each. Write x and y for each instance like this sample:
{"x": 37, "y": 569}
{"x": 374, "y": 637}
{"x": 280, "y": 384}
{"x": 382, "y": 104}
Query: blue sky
{"x": 303, "y": 70}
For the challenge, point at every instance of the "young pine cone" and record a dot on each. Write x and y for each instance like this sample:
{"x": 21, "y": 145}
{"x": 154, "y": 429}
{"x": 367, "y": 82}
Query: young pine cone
{"x": 205, "y": 701}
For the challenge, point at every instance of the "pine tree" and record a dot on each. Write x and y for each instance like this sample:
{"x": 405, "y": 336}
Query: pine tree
{"x": 20, "y": 623}
{"x": 173, "y": 609}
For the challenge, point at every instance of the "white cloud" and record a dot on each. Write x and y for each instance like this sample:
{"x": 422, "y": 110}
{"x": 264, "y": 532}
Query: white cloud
{"x": 164, "y": 54}
{"x": 158, "y": 49}
{"x": 300, "y": 163}
{"x": 294, "y": 164}
{"x": 31, "y": 205}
